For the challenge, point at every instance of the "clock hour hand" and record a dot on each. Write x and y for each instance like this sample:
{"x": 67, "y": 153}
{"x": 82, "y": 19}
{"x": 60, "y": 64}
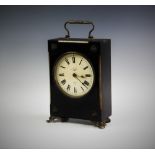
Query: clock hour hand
{"x": 79, "y": 76}
{"x": 82, "y": 76}
{"x": 75, "y": 76}
{"x": 87, "y": 75}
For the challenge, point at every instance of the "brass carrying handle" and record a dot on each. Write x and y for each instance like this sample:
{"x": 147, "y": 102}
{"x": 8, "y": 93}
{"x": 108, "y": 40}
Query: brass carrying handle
{"x": 79, "y": 22}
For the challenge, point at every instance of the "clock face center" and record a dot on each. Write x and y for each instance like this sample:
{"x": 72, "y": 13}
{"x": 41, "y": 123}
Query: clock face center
{"x": 74, "y": 74}
{"x": 74, "y": 69}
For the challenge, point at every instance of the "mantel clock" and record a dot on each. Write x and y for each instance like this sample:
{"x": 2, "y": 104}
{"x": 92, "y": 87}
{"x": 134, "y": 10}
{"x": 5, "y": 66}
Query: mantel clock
{"x": 80, "y": 78}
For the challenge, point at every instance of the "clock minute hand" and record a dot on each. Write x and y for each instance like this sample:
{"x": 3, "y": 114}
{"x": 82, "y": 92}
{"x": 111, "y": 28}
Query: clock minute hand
{"x": 75, "y": 76}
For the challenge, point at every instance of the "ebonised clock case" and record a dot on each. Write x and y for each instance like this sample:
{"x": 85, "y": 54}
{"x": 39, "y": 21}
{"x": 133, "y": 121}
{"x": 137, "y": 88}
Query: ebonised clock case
{"x": 94, "y": 106}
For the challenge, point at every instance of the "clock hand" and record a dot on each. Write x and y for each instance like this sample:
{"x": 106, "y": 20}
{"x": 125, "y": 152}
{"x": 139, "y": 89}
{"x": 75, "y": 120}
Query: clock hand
{"x": 75, "y": 76}
{"x": 86, "y": 75}
{"x": 80, "y": 76}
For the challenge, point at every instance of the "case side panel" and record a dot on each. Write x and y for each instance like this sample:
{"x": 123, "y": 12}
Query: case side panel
{"x": 49, "y": 60}
{"x": 106, "y": 78}
{"x": 51, "y": 48}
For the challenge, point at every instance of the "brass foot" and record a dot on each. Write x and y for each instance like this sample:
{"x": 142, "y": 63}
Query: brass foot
{"x": 53, "y": 119}
{"x": 101, "y": 125}
{"x": 108, "y": 120}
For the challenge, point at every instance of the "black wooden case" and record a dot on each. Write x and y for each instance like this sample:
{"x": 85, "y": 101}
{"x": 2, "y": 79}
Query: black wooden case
{"x": 94, "y": 106}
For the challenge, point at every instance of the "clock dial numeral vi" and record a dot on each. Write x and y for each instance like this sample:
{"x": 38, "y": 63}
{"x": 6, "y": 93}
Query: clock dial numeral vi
{"x": 68, "y": 87}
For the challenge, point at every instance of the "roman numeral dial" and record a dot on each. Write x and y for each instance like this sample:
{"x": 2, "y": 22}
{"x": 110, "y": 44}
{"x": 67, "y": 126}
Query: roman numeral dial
{"x": 74, "y": 74}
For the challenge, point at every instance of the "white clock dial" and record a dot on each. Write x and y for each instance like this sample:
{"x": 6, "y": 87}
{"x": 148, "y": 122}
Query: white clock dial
{"x": 74, "y": 74}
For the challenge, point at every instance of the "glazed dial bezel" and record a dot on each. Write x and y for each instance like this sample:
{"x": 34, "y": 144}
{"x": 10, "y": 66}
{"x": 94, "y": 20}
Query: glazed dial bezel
{"x": 57, "y": 64}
